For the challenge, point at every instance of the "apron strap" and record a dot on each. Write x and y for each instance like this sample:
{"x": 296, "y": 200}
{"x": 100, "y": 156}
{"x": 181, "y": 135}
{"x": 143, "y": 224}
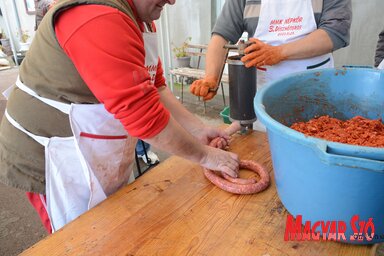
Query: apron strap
{"x": 147, "y": 28}
{"x": 63, "y": 107}
{"x": 381, "y": 65}
{"x": 252, "y": 11}
{"x": 40, "y": 139}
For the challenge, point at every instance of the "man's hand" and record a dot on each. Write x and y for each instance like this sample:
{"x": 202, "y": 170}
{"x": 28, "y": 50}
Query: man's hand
{"x": 259, "y": 54}
{"x": 205, "y": 134}
{"x": 206, "y": 87}
{"x": 219, "y": 160}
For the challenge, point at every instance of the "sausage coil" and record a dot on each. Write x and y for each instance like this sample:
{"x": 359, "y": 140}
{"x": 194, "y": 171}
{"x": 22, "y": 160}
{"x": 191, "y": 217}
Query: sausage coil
{"x": 238, "y": 185}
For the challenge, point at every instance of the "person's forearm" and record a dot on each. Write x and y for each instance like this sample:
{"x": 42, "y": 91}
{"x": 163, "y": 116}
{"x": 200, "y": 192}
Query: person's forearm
{"x": 315, "y": 44}
{"x": 174, "y": 139}
{"x": 215, "y": 56}
{"x": 185, "y": 118}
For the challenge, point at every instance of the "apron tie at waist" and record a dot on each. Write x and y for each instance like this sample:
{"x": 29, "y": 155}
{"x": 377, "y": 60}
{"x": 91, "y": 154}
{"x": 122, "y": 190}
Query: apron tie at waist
{"x": 81, "y": 171}
{"x": 63, "y": 107}
{"x": 40, "y": 139}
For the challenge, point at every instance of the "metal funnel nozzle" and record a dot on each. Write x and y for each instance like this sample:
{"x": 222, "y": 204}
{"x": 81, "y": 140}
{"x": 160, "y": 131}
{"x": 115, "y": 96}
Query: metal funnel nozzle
{"x": 238, "y": 47}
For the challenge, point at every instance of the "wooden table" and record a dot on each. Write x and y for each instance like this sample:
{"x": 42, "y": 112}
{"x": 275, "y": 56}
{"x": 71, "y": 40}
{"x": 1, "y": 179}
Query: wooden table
{"x": 174, "y": 210}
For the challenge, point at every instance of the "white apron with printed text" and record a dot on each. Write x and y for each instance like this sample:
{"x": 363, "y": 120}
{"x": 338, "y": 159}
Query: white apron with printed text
{"x": 281, "y": 22}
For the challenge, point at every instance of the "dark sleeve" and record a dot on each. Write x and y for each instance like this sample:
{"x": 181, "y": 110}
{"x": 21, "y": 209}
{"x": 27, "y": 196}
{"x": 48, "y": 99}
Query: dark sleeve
{"x": 230, "y": 23}
{"x": 336, "y": 19}
{"x": 379, "y": 55}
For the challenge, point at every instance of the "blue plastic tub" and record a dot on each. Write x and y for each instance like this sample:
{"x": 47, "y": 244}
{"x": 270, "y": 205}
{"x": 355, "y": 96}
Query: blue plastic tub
{"x": 315, "y": 178}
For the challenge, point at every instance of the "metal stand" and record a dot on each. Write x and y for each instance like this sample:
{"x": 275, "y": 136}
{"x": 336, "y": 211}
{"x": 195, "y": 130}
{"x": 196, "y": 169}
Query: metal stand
{"x": 149, "y": 164}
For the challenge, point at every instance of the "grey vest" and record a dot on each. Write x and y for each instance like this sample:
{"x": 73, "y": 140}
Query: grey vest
{"x": 49, "y": 72}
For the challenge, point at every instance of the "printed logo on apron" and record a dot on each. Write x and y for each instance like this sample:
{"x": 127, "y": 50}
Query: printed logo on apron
{"x": 281, "y": 22}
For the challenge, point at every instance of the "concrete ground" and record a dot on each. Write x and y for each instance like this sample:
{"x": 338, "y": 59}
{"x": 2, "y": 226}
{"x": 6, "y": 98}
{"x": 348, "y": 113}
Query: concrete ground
{"x": 20, "y": 226}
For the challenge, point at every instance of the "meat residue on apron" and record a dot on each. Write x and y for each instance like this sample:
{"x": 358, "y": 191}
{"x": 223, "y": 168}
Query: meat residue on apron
{"x": 356, "y": 131}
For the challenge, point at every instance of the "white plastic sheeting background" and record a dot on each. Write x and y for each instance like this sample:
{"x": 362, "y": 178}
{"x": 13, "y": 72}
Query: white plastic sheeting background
{"x": 188, "y": 18}
{"x": 367, "y": 22}
{"x": 194, "y": 17}
{"x": 15, "y": 14}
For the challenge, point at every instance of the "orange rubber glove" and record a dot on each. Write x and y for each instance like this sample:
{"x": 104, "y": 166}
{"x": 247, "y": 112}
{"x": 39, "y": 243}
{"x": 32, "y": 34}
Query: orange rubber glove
{"x": 206, "y": 87}
{"x": 259, "y": 54}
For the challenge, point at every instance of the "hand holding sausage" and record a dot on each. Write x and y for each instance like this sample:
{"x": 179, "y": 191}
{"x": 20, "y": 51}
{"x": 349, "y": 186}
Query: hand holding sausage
{"x": 233, "y": 184}
{"x": 223, "y": 141}
{"x": 233, "y": 128}
{"x": 238, "y": 185}
{"x": 207, "y": 133}
{"x": 220, "y": 160}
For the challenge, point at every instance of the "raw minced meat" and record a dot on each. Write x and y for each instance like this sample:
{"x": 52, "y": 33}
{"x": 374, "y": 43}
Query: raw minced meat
{"x": 356, "y": 131}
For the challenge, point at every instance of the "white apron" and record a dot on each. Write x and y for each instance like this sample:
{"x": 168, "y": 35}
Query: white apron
{"x": 81, "y": 171}
{"x": 281, "y": 22}
{"x": 381, "y": 65}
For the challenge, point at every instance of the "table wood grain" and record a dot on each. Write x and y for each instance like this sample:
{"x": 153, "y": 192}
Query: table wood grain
{"x": 174, "y": 210}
